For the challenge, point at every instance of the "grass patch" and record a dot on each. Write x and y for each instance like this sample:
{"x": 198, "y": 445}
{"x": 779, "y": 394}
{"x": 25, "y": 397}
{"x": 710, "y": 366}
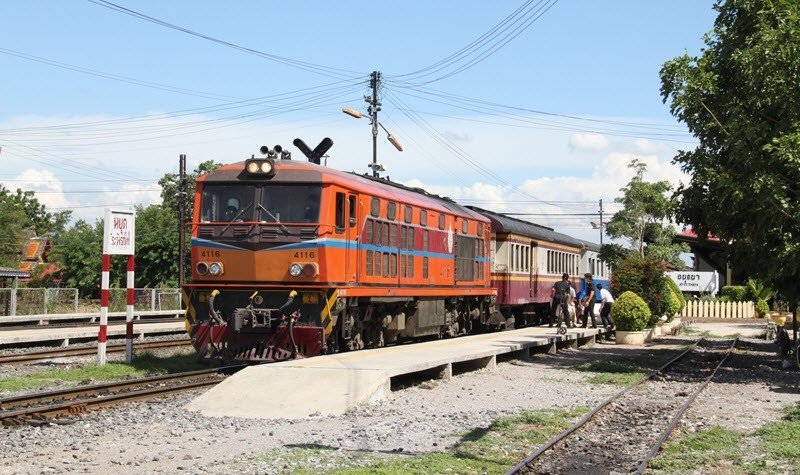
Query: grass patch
{"x": 144, "y": 364}
{"x": 702, "y": 334}
{"x": 613, "y": 371}
{"x": 700, "y": 450}
{"x": 781, "y": 439}
{"x": 481, "y": 451}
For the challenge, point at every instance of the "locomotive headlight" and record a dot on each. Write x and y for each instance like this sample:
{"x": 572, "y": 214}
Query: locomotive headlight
{"x": 309, "y": 270}
{"x": 202, "y": 268}
{"x": 215, "y": 268}
{"x": 295, "y": 270}
{"x": 266, "y": 167}
{"x": 252, "y": 167}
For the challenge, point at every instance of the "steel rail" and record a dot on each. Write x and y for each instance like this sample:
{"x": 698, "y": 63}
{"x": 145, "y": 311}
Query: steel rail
{"x": 589, "y": 415}
{"x": 679, "y": 415}
{"x": 71, "y": 394}
{"x": 31, "y": 356}
{"x": 52, "y": 326}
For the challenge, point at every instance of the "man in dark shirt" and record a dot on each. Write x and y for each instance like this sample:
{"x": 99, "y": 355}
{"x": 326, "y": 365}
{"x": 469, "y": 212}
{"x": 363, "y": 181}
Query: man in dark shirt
{"x": 588, "y": 303}
{"x": 560, "y": 294}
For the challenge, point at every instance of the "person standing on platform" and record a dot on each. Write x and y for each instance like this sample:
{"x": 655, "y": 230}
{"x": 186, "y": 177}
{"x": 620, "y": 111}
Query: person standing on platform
{"x": 560, "y": 294}
{"x": 607, "y": 300}
{"x": 588, "y": 302}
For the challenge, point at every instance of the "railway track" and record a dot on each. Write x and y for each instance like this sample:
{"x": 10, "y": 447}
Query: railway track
{"x": 625, "y": 431}
{"x": 32, "y": 356}
{"x": 45, "y": 407}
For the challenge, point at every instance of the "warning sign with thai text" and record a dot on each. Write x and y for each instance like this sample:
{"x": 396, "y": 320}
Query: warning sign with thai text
{"x": 119, "y": 232}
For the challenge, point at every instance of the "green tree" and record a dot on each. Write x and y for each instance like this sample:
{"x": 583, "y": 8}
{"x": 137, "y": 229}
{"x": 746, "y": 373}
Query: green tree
{"x": 21, "y": 214}
{"x": 170, "y": 186}
{"x": 156, "y": 247}
{"x": 740, "y": 98}
{"x": 78, "y": 252}
{"x": 644, "y": 219}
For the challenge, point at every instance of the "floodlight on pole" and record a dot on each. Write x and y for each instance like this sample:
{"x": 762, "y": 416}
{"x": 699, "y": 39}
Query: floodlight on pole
{"x": 352, "y": 112}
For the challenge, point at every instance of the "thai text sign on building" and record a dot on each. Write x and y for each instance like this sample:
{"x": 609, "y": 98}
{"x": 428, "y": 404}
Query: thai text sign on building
{"x": 119, "y": 231}
{"x": 696, "y": 281}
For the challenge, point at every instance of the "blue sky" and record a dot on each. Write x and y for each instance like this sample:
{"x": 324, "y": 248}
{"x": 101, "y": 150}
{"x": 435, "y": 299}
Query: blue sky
{"x": 592, "y": 59}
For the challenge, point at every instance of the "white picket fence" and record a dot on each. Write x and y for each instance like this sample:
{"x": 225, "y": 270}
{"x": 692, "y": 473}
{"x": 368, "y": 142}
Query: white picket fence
{"x": 706, "y": 309}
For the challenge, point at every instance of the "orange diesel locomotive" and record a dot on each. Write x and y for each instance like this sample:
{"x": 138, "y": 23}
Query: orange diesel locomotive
{"x": 291, "y": 258}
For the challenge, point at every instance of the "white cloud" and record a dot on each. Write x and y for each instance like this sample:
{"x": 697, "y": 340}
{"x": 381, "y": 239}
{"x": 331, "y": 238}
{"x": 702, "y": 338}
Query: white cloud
{"x": 588, "y": 142}
{"x": 50, "y": 191}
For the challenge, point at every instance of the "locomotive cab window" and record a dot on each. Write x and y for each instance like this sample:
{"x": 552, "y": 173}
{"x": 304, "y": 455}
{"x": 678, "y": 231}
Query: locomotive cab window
{"x": 289, "y": 203}
{"x": 340, "y": 212}
{"x": 351, "y": 204}
{"x": 227, "y": 203}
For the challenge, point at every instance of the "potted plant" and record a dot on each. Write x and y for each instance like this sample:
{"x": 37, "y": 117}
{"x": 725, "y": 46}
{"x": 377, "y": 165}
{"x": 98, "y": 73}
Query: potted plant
{"x": 779, "y": 312}
{"x": 630, "y": 315}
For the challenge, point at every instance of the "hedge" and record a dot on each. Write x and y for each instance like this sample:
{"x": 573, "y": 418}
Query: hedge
{"x": 736, "y": 293}
{"x": 630, "y": 312}
{"x": 681, "y": 298}
{"x": 762, "y": 309}
{"x": 672, "y": 301}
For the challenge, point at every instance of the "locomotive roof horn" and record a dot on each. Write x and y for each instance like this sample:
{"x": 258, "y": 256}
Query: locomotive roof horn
{"x": 315, "y": 155}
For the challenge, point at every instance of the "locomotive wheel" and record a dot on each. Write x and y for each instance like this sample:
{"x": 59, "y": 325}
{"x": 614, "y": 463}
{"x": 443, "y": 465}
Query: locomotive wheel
{"x": 562, "y": 330}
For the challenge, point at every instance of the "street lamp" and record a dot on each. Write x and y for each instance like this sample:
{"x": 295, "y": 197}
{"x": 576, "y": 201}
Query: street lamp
{"x": 375, "y": 166}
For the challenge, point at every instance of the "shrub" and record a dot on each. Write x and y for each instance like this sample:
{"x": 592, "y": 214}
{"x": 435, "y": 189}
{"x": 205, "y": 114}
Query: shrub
{"x": 734, "y": 293}
{"x": 630, "y": 312}
{"x": 762, "y": 309}
{"x": 671, "y": 301}
{"x": 677, "y": 291}
{"x": 642, "y": 277}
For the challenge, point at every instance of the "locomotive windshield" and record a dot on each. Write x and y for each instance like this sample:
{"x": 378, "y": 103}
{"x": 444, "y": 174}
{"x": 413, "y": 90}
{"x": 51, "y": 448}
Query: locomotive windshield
{"x": 290, "y": 203}
{"x": 278, "y": 203}
{"x": 227, "y": 203}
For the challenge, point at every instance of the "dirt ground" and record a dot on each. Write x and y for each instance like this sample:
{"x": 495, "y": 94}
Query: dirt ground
{"x": 161, "y": 437}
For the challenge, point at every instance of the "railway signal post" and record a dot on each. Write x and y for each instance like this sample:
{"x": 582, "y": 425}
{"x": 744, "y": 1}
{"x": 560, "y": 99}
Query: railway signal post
{"x": 119, "y": 231}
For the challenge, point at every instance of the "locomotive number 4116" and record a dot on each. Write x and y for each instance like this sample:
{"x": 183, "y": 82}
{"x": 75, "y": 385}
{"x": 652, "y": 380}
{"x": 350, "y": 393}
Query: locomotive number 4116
{"x": 305, "y": 254}
{"x": 209, "y": 253}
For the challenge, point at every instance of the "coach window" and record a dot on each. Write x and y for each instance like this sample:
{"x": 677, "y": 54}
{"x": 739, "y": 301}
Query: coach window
{"x": 340, "y": 212}
{"x": 407, "y": 213}
{"x": 391, "y": 210}
{"x": 375, "y": 207}
{"x": 423, "y": 217}
{"x": 441, "y": 221}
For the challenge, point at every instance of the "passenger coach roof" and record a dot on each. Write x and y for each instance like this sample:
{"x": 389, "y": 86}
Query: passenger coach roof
{"x": 504, "y": 224}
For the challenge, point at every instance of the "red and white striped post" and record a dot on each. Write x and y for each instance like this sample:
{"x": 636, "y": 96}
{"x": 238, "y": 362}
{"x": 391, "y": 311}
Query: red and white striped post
{"x": 118, "y": 239}
{"x": 102, "y": 336}
{"x": 130, "y": 300}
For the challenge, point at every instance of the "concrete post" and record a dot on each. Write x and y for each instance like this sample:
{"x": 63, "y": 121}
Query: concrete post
{"x": 153, "y": 299}
{"x": 45, "y": 300}
{"x": 14, "y": 284}
{"x": 75, "y": 301}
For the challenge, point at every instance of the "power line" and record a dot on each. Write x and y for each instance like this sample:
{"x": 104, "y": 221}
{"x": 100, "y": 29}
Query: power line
{"x": 115, "y": 77}
{"x": 304, "y": 65}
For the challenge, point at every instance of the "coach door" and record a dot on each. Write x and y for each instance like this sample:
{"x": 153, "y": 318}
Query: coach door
{"x": 353, "y": 253}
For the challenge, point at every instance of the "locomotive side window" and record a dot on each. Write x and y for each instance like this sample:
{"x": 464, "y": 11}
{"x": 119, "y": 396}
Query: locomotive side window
{"x": 441, "y": 221}
{"x": 368, "y": 236}
{"x": 386, "y": 264}
{"x": 339, "y": 212}
{"x": 369, "y": 262}
{"x": 423, "y": 217}
{"x": 377, "y": 263}
{"x": 393, "y": 264}
{"x": 465, "y": 226}
{"x": 375, "y": 207}
{"x": 403, "y": 237}
{"x": 391, "y": 210}
{"x": 424, "y": 267}
{"x": 480, "y": 229}
{"x": 425, "y": 240}
{"x": 411, "y": 267}
{"x": 407, "y": 213}
{"x": 229, "y": 203}
{"x": 393, "y": 235}
{"x": 403, "y": 268}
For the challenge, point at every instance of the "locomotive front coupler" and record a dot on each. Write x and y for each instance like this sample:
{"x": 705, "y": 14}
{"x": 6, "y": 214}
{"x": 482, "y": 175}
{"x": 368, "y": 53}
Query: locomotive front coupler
{"x": 261, "y": 319}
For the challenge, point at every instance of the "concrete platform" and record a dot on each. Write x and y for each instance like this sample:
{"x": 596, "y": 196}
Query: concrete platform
{"x": 331, "y": 384}
{"x": 92, "y": 317}
{"x": 65, "y": 334}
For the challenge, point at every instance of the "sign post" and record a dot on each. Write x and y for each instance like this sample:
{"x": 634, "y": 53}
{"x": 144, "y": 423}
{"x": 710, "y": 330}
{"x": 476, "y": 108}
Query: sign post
{"x": 696, "y": 281}
{"x": 119, "y": 231}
